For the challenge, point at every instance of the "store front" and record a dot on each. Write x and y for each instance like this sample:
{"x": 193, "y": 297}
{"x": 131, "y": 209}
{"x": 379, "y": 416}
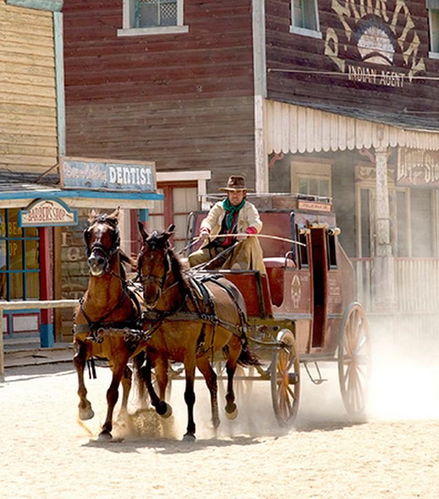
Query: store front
{"x": 41, "y": 244}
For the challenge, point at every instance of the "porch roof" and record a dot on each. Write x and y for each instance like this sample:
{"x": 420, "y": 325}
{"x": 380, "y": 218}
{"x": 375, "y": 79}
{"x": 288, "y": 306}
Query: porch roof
{"x": 319, "y": 127}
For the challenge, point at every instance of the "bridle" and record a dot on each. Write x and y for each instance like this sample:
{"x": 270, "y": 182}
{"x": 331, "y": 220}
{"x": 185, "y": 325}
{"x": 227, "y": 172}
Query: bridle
{"x": 98, "y": 246}
{"x": 158, "y": 280}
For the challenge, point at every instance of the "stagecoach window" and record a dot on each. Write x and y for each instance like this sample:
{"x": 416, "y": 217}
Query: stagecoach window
{"x": 19, "y": 255}
{"x": 332, "y": 253}
{"x": 434, "y": 30}
{"x": 303, "y": 250}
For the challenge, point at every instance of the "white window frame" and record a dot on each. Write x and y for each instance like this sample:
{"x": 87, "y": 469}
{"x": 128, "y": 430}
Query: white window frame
{"x": 128, "y": 15}
{"x": 314, "y": 33}
{"x": 434, "y": 33}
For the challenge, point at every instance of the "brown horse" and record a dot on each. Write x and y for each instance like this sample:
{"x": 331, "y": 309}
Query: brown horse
{"x": 188, "y": 322}
{"x": 108, "y": 316}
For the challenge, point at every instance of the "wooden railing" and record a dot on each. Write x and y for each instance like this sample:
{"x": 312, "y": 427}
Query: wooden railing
{"x": 19, "y": 305}
{"x": 416, "y": 284}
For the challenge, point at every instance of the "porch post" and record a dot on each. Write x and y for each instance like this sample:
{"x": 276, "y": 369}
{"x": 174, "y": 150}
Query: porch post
{"x": 383, "y": 268}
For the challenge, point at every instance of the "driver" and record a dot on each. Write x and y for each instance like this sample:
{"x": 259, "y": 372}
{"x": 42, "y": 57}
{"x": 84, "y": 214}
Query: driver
{"x": 232, "y": 215}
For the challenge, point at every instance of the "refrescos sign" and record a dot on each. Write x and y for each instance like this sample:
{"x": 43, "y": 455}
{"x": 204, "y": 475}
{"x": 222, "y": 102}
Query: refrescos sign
{"x": 108, "y": 175}
{"x": 373, "y": 34}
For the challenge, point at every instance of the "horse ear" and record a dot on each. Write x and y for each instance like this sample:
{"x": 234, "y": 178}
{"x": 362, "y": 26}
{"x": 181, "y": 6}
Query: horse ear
{"x": 92, "y": 215}
{"x": 142, "y": 230}
{"x": 115, "y": 213}
{"x": 170, "y": 229}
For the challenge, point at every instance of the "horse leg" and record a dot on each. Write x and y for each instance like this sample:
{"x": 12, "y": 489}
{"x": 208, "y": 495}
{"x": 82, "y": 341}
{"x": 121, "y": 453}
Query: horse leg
{"x": 211, "y": 381}
{"x": 79, "y": 359}
{"x": 234, "y": 352}
{"x": 189, "y": 397}
{"x": 126, "y": 388}
{"x": 161, "y": 407}
{"x": 112, "y": 396}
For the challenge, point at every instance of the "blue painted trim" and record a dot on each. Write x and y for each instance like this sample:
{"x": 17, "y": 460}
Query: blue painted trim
{"x": 52, "y": 5}
{"x": 22, "y": 311}
{"x": 143, "y": 215}
{"x": 59, "y": 76}
{"x": 46, "y": 335}
{"x": 57, "y": 194}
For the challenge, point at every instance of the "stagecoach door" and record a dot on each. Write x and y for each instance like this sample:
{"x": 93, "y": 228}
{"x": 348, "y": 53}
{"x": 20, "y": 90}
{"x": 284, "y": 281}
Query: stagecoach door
{"x": 319, "y": 276}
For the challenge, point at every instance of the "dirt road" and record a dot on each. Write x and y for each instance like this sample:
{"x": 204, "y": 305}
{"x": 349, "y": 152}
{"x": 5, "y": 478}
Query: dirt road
{"x": 45, "y": 453}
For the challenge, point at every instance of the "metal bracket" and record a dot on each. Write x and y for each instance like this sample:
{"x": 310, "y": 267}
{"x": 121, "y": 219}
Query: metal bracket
{"x": 317, "y": 381}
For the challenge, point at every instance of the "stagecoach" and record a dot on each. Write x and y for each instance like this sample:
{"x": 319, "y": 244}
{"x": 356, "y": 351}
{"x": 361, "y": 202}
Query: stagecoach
{"x": 303, "y": 311}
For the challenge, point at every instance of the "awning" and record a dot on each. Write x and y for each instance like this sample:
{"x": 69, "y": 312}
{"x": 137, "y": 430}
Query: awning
{"x": 292, "y": 128}
{"x": 16, "y": 195}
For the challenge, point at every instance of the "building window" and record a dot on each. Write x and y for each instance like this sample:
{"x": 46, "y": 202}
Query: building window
{"x": 19, "y": 259}
{"x": 304, "y": 18}
{"x": 180, "y": 199}
{"x": 312, "y": 179}
{"x": 433, "y": 15}
{"x": 143, "y": 17}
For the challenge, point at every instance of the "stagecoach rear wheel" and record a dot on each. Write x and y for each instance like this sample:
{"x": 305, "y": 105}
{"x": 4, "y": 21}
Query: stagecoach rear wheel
{"x": 285, "y": 378}
{"x": 354, "y": 361}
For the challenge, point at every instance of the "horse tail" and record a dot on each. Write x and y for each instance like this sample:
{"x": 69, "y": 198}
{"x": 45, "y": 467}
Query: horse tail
{"x": 247, "y": 357}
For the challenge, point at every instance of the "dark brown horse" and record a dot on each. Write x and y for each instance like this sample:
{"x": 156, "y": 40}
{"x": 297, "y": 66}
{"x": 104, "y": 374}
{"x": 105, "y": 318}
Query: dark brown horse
{"x": 188, "y": 322}
{"x": 107, "y": 318}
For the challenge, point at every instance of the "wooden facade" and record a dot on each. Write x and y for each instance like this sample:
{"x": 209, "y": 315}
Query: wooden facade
{"x": 28, "y": 106}
{"x": 243, "y": 89}
{"x": 359, "y": 73}
{"x": 183, "y": 100}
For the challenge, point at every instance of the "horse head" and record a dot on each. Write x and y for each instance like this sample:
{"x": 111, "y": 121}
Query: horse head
{"x": 153, "y": 263}
{"x": 102, "y": 241}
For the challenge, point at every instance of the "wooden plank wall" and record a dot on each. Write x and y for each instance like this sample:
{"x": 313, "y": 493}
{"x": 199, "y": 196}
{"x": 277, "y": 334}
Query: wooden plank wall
{"x": 182, "y": 100}
{"x": 28, "y": 129}
{"x": 292, "y": 51}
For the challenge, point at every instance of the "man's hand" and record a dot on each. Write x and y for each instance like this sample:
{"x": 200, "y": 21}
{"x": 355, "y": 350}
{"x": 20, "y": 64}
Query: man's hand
{"x": 248, "y": 230}
{"x": 204, "y": 235}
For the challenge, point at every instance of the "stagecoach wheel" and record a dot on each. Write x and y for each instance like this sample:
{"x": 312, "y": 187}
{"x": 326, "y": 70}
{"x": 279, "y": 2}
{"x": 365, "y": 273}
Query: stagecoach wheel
{"x": 354, "y": 361}
{"x": 285, "y": 379}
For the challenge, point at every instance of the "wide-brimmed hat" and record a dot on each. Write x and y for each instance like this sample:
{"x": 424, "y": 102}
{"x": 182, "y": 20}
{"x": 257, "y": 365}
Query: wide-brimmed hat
{"x": 235, "y": 183}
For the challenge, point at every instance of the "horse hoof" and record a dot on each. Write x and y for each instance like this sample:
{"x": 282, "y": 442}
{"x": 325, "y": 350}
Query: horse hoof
{"x": 232, "y": 411}
{"x": 86, "y": 413}
{"x": 165, "y": 410}
{"x": 105, "y": 436}
{"x": 189, "y": 437}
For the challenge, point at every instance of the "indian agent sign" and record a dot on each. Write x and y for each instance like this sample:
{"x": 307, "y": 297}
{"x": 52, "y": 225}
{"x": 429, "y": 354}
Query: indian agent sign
{"x": 47, "y": 213}
{"x": 107, "y": 175}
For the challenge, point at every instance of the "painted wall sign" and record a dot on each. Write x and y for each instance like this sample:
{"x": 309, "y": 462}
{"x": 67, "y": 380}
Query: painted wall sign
{"x": 47, "y": 213}
{"x": 107, "y": 175}
{"x": 417, "y": 167}
{"x": 383, "y": 33}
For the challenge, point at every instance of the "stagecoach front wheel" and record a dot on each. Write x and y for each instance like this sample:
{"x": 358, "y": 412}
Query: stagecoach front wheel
{"x": 354, "y": 361}
{"x": 285, "y": 378}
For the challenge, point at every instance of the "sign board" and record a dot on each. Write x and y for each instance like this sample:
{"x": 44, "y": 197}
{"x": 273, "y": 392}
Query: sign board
{"x": 47, "y": 213}
{"x": 417, "y": 168}
{"x": 107, "y": 175}
{"x": 313, "y": 206}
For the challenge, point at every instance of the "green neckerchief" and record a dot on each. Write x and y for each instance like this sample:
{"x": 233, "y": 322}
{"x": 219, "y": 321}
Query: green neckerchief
{"x": 230, "y": 211}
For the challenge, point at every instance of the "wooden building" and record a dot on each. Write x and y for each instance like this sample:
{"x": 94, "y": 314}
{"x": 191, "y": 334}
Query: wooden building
{"x": 34, "y": 248}
{"x": 334, "y": 98}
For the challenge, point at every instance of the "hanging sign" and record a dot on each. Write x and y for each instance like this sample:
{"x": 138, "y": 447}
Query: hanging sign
{"x": 417, "y": 168}
{"x": 47, "y": 213}
{"x": 107, "y": 175}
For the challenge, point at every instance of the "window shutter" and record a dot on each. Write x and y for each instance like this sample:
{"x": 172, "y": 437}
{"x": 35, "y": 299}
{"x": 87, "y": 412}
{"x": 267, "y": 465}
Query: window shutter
{"x": 432, "y": 4}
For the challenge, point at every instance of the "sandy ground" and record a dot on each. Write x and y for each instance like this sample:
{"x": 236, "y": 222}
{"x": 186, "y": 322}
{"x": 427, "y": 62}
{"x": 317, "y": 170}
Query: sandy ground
{"x": 46, "y": 453}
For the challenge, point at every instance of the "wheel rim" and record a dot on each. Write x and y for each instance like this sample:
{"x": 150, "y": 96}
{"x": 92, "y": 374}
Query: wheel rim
{"x": 353, "y": 360}
{"x": 285, "y": 379}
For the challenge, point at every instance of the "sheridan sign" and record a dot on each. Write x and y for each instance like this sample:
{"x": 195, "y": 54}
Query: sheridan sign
{"x": 107, "y": 175}
{"x": 47, "y": 213}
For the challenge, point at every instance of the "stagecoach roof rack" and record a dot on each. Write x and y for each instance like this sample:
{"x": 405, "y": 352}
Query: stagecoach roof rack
{"x": 296, "y": 196}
